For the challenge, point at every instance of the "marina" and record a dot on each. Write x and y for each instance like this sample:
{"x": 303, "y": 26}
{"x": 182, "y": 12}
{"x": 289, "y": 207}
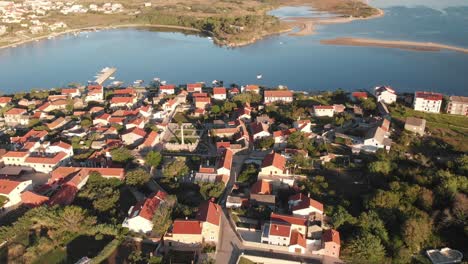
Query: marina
{"x": 105, "y": 74}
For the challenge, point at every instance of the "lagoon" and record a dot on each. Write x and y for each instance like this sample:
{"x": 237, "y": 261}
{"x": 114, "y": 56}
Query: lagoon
{"x": 301, "y": 63}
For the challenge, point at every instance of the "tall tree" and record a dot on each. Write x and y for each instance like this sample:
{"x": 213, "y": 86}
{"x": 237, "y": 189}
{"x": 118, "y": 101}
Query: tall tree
{"x": 137, "y": 177}
{"x": 153, "y": 159}
{"x": 365, "y": 249}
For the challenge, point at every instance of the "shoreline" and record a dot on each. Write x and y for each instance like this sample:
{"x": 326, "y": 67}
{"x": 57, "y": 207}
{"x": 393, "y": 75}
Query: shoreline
{"x": 77, "y": 30}
{"x": 307, "y": 25}
{"x": 396, "y": 44}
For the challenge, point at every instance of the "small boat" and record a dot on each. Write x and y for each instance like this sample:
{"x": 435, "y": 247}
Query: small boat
{"x": 259, "y": 76}
{"x": 116, "y": 83}
{"x": 157, "y": 79}
{"x": 214, "y": 82}
{"x": 163, "y": 82}
{"x": 138, "y": 82}
{"x": 111, "y": 78}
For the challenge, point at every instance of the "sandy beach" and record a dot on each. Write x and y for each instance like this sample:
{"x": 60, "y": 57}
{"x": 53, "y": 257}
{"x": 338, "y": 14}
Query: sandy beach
{"x": 396, "y": 44}
{"x": 306, "y": 25}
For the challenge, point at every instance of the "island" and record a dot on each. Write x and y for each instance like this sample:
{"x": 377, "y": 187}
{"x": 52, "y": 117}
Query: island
{"x": 230, "y": 22}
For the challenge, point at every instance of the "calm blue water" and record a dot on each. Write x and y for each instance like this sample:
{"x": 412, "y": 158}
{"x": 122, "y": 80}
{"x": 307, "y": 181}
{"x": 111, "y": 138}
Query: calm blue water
{"x": 301, "y": 63}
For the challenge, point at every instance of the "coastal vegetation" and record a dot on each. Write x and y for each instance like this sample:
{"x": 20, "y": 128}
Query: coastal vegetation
{"x": 229, "y": 22}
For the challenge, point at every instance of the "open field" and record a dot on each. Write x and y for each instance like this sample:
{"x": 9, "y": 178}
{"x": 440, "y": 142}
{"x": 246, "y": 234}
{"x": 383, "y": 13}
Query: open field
{"x": 398, "y": 44}
{"x": 229, "y": 22}
{"x": 452, "y": 129}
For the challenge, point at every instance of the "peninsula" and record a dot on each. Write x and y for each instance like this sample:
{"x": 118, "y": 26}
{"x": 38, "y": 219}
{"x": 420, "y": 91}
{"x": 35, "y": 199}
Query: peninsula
{"x": 396, "y": 44}
{"x": 230, "y": 23}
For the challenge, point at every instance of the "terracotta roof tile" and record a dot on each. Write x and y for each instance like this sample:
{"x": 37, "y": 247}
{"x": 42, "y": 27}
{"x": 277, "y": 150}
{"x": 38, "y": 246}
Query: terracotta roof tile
{"x": 209, "y": 212}
{"x": 189, "y": 227}
{"x": 331, "y": 235}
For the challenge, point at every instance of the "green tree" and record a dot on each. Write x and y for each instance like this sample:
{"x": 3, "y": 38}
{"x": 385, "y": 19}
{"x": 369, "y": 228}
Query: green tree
{"x": 102, "y": 193}
{"x": 153, "y": 159}
{"x": 137, "y": 177}
{"x": 228, "y": 106}
{"x": 208, "y": 189}
{"x": 383, "y": 167}
{"x": 340, "y": 216}
{"x": 176, "y": 168}
{"x": 70, "y": 106}
{"x": 265, "y": 142}
{"x": 417, "y": 230}
{"x": 370, "y": 222}
{"x": 121, "y": 155}
{"x": 215, "y": 109}
{"x": 162, "y": 218}
{"x": 369, "y": 104}
{"x": 86, "y": 123}
{"x": 298, "y": 140}
{"x": 365, "y": 249}
{"x": 248, "y": 174}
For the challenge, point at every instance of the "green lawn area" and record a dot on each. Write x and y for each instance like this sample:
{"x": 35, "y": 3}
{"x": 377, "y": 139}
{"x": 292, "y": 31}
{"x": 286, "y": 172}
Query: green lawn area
{"x": 452, "y": 129}
{"x": 433, "y": 120}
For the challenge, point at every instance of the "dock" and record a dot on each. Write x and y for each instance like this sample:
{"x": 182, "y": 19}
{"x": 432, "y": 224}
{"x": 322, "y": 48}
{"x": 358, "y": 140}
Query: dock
{"x": 104, "y": 75}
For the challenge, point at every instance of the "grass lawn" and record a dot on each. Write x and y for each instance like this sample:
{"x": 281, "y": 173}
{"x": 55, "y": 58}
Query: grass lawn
{"x": 244, "y": 260}
{"x": 452, "y": 129}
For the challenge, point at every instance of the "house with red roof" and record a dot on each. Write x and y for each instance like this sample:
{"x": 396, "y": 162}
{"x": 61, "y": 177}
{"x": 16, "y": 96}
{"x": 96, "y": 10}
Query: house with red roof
{"x": 274, "y": 96}
{"x": 57, "y": 123}
{"x": 32, "y": 199}
{"x": 46, "y": 162}
{"x": 94, "y": 93}
{"x": 225, "y": 162}
{"x": 16, "y": 117}
{"x": 219, "y": 93}
{"x": 202, "y": 102}
{"x": 303, "y": 125}
{"x": 302, "y": 205}
{"x": 60, "y": 146}
{"x": 281, "y": 137}
{"x": 204, "y": 228}
{"x": 4, "y": 100}
{"x": 427, "y": 102}
{"x": 12, "y": 190}
{"x": 259, "y": 130}
{"x": 123, "y": 101}
{"x": 102, "y": 119}
{"x": 281, "y": 228}
{"x": 71, "y": 92}
{"x": 133, "y": 136}
{"x": 273, "y": 164}
{"x": 151, "y": 140}
{"x": 15, "y": 158}
{"x": 324, "y": 110}
{"x": 251, "y": 88}
{"x": 140, "y": 216}
{"x": 261, "y": 187}
{"x": 331, "y": 243}
{"x": 167, "y": 89}
{"x": 357, "y": 96}
{"x": 385, "y": 94}
{"x": 194, "y": 87}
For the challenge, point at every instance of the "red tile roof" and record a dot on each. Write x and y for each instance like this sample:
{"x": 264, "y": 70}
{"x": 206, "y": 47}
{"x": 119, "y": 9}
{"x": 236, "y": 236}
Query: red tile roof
{"x": 288, "y": 219}
{"x": 16, "y": 111}
{"x": 219, "y": 90}
{"x": 189, "y": 227}
{"x": 329, "y": 107}
{"x": 62, "y": 144}
{"x": 7, "y": 186}
{"x": 331, "y": 235}
{"x": 148, "y": 207}
{"x": 305, "y": 202}
{"x": 126, "y": 100}
{"x": 4, "y": 100}
{"x": 276, "y": 160}
{"x": 167, "y": 87}
{"x": 33, "y": 199}
{"x": 429, "y": 96}
{"x": 202, "y": 99}
{"x": 261, "y": 187}
{"x": 280, "y": 229}
{"x": 46, "y": 159}
{"x": 150, "y": 139}
{"x": 206, "y": 170}
{"x": 278, "y": 93}
{"x": 223, "y": 144}
{"x": 209, "y": 212}
{"x": 129, "y": 91}
{"x": 137, "y": 131}
{"x": 251, "y": 88}
{"x": 298, "y": 239}
{"x": 69, "y": 91}
{"x": 194, "y": 85}
{"x": 64, "y": 196}
{"x": 16, "y": 154}
{"x": 226, "y": 160}
{"x": 359, "y": 94}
